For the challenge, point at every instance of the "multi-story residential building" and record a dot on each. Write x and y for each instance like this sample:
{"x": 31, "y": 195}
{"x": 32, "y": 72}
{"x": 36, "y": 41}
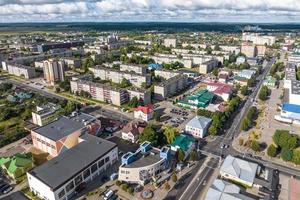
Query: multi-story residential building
{"x": 258, "y": 39}
{"x": 166, "y": 74}
{"x": 138, "y": 69}
{"x": 62, "y": 134}
{"x": 170, "y": 87}
{"x": 198, "y": 126}
{"x": 170, "y": 58}
{"x": 54, "y": 71}
{"x": 247, "y": 73}
{"x": 72, "y": 62}
{"x": 144, "y": 113}
{"x": 250, "y": 50}
{"x": 117, "y": 76}
{"x": 60, "y": 177}
{"x": 208, "y": 66}
{"x": 39, "y": 64}
{"x": 261, "y": 50}
{"x": 142, "y": 94}
{"x": 20, "y": 70}
{"x": 144, "y": 164}
{"x": 170, "y": 42}
{"x": 44, "y": 114}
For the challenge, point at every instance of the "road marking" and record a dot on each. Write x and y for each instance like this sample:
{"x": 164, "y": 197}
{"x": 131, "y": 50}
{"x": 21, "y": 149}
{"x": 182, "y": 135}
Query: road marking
{"x": 200, "y": 184}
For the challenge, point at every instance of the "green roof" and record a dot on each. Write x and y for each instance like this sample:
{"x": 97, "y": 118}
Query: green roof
{"x": 183, "y": 142}
{"x": 204, "y": 97}
{"x": 13, "y": 163}
{"x": 239, "y": 78}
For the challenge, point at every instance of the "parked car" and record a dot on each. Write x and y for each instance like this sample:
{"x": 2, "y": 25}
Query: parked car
{"x": 108, "y": 195}
{"x": 6, "y": 189}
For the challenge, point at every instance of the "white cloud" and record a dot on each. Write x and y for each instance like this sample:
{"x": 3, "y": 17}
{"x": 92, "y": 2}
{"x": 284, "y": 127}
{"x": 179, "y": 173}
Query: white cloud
{"x": 154, "y": 10}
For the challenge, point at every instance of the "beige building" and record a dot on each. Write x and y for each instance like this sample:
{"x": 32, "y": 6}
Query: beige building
{"x": 141, "y": 94}
{"x": 21, "y": 71}
{"x": 170, "y": 42}
{"x": 54, "y": 71}
{"x": 261, "y": 50}
{"x": 44, "y": 114}
{"x": 138, "y": 69}
{"x": 170, "y": 87}
{"x": 117, "y": 76}
{"x": 208, "y": 66}
{"x": 249, "y": 50}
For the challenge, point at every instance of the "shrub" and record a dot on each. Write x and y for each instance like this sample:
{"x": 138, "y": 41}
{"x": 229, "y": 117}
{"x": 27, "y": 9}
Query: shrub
{"x": 241, "y": 141}
{"x": 286, "y": 154}
{"x": 255, "y": 145}
{"x": 124, "y": 186}
{"x": 174, "y": 177}
{"x": 167, "y": 186}
{"x": 130, "y": 190}
{"x": 118, "y": 183}
{"x": 272, "y": 150}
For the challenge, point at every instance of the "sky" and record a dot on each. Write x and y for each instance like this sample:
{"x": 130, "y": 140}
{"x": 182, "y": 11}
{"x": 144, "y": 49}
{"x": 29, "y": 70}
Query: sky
{"x": 150, "y": 10}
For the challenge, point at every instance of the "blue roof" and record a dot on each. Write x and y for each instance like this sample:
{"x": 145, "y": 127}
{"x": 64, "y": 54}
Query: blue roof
{"x": 154, "y": 66}
{"x": 291, "y": 107}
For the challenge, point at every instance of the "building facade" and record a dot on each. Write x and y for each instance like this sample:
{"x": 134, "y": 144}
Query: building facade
{"x": 54, "y": 71}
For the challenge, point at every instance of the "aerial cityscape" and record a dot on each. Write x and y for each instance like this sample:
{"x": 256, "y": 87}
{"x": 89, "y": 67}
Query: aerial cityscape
{"x": 149, "y": 99}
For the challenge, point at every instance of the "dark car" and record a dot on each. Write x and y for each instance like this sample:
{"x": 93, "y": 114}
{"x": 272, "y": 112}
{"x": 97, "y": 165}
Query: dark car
{"x": 6, "y": 189}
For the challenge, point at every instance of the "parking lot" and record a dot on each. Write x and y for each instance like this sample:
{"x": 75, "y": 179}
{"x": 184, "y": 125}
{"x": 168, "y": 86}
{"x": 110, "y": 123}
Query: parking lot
{"x": 173, "y": 115}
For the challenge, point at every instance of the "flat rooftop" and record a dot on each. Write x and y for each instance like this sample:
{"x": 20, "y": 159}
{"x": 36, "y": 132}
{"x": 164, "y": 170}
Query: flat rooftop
{"x": 295, "y": 87}
{"x": 59, "y": 128}
{"x": 68, "y": 164}
{"x": 145, "y": 159}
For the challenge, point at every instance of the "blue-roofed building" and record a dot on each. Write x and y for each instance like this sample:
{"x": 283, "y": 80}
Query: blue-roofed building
{"x": 153, "y": 66}
{"x": 290, "y": 111}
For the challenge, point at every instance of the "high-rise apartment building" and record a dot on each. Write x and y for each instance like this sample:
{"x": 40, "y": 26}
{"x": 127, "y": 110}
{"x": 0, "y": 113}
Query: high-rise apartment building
{"x": 54, "y": 71}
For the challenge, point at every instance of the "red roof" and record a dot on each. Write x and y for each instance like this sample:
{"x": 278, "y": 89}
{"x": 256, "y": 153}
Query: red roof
{"x": 294, "y": 189}
{"x": 221, "y": 87}
{"x": 145, "y": 109}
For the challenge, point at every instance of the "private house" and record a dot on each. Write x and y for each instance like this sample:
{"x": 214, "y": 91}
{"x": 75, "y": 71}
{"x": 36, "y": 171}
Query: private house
{"x": 239, "y": 170}
{"x": 270, "y": 81}
{"x": 17, "y": 165}
{"x": 222, "y": 90}
{"x": 198, "y": 126}
{"x": 242, "y": 81}
{"x": 144, "y": 113}
{"x": 184, "y": 143}
{"x": 132, "y": 130}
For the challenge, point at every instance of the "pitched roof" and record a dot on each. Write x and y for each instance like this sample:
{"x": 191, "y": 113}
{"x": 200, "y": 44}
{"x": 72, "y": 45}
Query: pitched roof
{"x": 239, "y": 168}
{"x": 145, "y": 109}
{"x": 199, "y": 122}
{"x": 135, "y": 127}
{"x": 183, "y": 142}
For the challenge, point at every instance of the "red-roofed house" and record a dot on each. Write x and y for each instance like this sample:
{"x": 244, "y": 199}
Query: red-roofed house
{"x": 223, "y": 78}
{"x": 132, "y": 130}
{"x": 144, "y": 113}
{"x": 220, "y": 89}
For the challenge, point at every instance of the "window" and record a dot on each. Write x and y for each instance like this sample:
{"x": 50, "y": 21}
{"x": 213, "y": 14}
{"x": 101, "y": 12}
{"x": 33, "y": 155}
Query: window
{"x": 70, "y": 186}
{"x": 100, "y": 163}
{"x": 61, "y": 194}
{"x": 86, "y": 173}
{"x": 106, "y": 159}
{"x": 94, "y": 168}
{"x": 78, "y": 179}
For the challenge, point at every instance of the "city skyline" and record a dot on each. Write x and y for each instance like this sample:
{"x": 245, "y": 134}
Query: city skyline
{"x": 149, "y": 10}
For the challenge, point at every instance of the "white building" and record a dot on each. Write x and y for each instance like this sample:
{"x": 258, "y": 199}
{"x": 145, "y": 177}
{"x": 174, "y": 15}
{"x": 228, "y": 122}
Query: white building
{"x": 198, "y": 126}
{"x": 144, "y": 113}
{"x": 170, "y": 42}
{"x": 239, "y": 170}
{"x": 58, "y": 178}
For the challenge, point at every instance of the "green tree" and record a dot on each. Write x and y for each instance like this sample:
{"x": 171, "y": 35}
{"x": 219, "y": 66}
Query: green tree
{"x": 157, "y": 116}
{"x": 170, "y": 133}
{"x": 245, "y": 124}
{"x": 149, "y": 134}
{"x": 133, "y": 103}
{"x": 125, "y": 83}
{"x": 215, "y": 71}
{"x": 212, "y": 130}
{"x": 88, "y": 63}
{"x": 244, "y": 90}
{"x": 292, "y": 142}
{"x": 272, "y": 150}
{"x": 180, "y": 155}
{"x": 174, "y": 177}
{"x": 263, "y": 93}
{"x": 286, "y": 154}
{"x": 193, "y": 155}
{"x": 296, "y": 156}
{"x": 255, "y": 146}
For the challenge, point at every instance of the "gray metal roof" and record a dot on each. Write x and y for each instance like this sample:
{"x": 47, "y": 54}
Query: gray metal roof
{"x": 59, "y": 128}
{"x": 68, "y": 164}
{"x": 239, "y": 168}
{"x": 222, "y": 190}
{"x": 199, "y": 122}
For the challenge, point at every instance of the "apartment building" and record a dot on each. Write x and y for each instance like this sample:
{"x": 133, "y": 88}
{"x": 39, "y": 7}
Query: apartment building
{"x": 250, "y": 50}
{"x": 100, "y": 92}
{"x": 44, "y": 114}
{"x": 141, "y": 94}
{"x": 259, "y": 39}
{"x": 170, "y": 42}
{"x": 170, "y": 87}
{"x": 72, "y": 62}
{"x": 59, "y": 45}
{"x": 166, "y": 74}
{"x": 20, "y": 70}
{"x": 117, "y": 76}
{"x": 144, "y": 164}
{"x": 208, "y": 66}
{"x": 138, "y": 69}
{"x": 170, "y": 58}
{"x": 54, "y": 71}
{"x": 62, "y": 134}
{"x": 59, "y": 178}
